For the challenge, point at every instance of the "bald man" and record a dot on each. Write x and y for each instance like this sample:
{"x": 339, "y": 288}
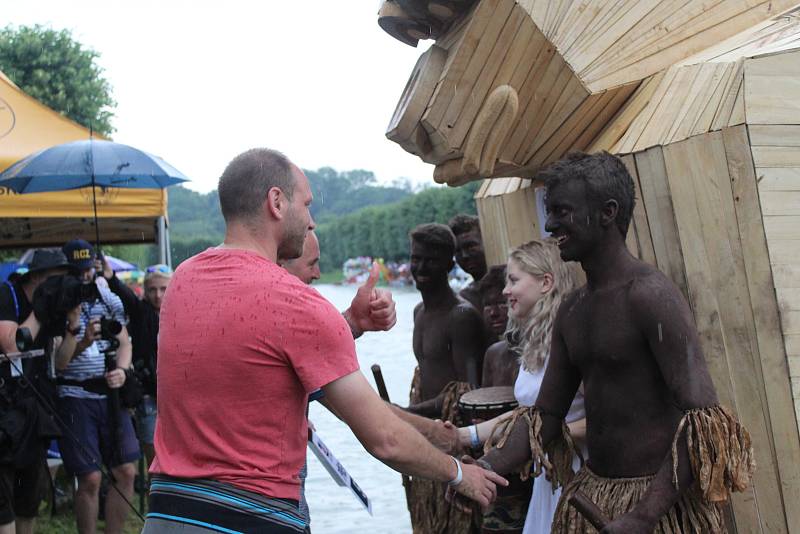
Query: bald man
{"x": 306, "y": 267}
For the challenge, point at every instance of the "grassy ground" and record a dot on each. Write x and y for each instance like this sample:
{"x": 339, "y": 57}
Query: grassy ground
{"x": 64, "y": 523}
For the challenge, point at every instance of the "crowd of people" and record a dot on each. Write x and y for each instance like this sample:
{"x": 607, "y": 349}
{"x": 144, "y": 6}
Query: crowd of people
{"x": 99, "y": 362}
{"x": 610, "y": 405}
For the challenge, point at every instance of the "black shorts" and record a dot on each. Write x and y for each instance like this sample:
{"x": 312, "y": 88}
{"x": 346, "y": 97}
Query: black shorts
{"x": 22, "y": 490}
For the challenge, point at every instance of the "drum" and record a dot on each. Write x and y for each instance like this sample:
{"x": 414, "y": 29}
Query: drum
{"x": 486, "y": 403}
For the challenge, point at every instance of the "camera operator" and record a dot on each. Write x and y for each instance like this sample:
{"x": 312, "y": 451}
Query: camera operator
{"x": 80, "y": 360}
{"x": 25, "y": 425}
{"x": 143, "y": 327}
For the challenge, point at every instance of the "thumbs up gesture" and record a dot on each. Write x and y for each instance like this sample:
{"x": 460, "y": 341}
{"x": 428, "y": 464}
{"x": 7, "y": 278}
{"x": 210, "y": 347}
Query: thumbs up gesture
{"x": 372, "y": 308}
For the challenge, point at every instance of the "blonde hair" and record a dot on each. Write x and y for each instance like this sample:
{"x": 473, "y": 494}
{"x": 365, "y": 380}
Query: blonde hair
{"x": 534, "y": 332}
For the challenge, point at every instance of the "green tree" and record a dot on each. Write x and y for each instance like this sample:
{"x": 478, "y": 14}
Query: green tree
{"x": 55, "y": 69}
{"x": 382, "y": 231}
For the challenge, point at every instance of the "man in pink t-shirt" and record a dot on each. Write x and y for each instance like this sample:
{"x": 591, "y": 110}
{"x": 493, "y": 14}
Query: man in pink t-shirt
{"x": 242, "y": 343}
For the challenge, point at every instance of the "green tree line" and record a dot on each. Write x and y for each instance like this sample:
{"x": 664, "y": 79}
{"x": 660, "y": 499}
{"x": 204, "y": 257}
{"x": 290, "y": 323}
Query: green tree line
{"x": 382, "y": 231}
{"x": 362, "y": 222}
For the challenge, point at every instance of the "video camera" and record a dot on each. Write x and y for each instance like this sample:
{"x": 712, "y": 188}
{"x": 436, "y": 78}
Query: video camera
{"x": 57, "y": 295}
{"x": 109, "y": 328}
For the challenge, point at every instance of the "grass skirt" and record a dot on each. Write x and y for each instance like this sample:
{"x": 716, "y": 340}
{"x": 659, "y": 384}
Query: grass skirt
{"x": 617, "y": 496}
{"x": 430, "y": 512}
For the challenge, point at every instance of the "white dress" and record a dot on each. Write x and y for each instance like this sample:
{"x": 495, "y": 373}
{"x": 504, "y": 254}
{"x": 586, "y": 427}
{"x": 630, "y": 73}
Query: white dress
{"x": 543, "y": 503}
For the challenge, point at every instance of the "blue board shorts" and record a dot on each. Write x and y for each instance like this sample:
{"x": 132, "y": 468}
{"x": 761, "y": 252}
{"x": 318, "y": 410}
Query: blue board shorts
{"x": 87, "y": 420}
{"x": 146, "y": 419}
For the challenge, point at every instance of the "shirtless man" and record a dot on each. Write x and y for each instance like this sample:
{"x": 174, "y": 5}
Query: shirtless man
{"x": 500, "y": 365}
{"x": 449, "y": 344}
{"x": 628, "y": 334}
{"x": 448, "y": 332}
{"x": 469, "y": 254}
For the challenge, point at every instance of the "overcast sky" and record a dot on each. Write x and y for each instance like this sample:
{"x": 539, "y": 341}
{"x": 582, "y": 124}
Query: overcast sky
{"x": 197, "y": 82}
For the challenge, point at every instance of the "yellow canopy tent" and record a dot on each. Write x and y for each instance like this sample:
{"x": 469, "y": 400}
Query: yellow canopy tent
{"x": 49, "y": 219}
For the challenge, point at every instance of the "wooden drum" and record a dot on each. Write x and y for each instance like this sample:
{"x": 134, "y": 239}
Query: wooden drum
{"x": 486, "y": 403}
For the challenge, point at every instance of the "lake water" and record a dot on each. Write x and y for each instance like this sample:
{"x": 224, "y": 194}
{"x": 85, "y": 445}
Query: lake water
{"x": 334, "y": 509}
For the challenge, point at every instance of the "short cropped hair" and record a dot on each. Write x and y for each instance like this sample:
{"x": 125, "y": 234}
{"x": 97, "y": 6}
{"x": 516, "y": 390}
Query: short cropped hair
{"x": 463, "y": 224}
{"x": 246, "y": 180}
{"x": 605, "y": 177}
{"x": 435, "y": 235}
{"x": 493, "y": 281}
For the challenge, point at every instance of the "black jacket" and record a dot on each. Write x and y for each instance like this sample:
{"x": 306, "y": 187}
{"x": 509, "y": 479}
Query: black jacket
{"x": 143, "y": 329}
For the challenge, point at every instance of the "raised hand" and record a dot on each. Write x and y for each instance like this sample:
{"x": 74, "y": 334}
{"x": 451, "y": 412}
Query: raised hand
{"x": 372, "y": 309}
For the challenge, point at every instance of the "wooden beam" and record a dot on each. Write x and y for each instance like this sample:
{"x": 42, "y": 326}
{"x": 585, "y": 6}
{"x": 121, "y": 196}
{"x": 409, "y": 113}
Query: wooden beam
{"x": 761, "y": 287}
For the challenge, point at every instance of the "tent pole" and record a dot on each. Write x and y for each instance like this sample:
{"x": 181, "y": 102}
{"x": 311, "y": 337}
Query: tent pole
{"x": 168, "y": 246}
{"x": 162, "y": 249}
{"x": 94, "y": 195}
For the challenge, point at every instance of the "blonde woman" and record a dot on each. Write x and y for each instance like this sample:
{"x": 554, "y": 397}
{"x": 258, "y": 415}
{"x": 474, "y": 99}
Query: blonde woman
{"x": 537, "y": 281}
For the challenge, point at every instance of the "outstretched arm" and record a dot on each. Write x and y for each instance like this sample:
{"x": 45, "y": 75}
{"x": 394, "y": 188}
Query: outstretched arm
{"x": 130, "y": 301}
{"x": 397, "y": 444}
{"x": 561, "y": 381}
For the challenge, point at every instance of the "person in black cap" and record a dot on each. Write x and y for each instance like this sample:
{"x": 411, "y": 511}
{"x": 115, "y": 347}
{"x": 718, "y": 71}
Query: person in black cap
{"x": 23, "y": 466}
{"x": 79, "y": 360}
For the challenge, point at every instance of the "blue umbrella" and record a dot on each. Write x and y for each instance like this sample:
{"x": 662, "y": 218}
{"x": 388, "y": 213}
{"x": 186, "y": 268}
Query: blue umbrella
{"x": 86, "y": 164}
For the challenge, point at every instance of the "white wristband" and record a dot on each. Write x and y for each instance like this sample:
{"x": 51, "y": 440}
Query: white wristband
{"x": 473, "y": 437}
{"x": 459, "y": 475}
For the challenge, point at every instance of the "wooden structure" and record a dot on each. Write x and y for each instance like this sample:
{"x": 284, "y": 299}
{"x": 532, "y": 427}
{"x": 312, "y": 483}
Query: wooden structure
{"x": 702, "y": 102}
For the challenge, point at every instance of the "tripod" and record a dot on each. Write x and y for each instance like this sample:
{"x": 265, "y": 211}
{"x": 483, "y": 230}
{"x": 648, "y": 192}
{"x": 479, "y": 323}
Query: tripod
{"x": 23, "y": 336}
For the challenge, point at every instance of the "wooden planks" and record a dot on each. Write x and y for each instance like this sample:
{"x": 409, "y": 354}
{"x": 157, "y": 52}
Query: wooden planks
{"x": 697, "y": 170}
{"x": 508, "y": 213}
{"x": 613, "y": 43}
{"x": 657, "y": 200}
{"x": 772, "y": 91}
{"x": 772, "y": 352}
{"x": 640, "y": 241}
{"x": 688, "y": 100}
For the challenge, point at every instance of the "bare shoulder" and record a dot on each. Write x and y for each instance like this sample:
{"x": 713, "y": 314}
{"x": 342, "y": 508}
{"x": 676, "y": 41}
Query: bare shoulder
{"x": 417, "y": 308}
{"x": 465, "y": 313}
{"x": 569, "y": 304}
{"x": 496, "y": 350}
{"x": 649, "y": 283}
{"x": 651, "y": 291}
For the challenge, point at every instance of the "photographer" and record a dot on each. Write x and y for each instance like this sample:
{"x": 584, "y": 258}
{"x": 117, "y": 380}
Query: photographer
{"x": 143, "y": 315}
{"x": 25, "y": 426}
{"x": 80, "y": 359}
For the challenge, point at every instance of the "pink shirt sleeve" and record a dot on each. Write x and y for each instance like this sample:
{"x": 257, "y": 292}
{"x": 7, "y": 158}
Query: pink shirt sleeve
{"x": 321, "y": 347}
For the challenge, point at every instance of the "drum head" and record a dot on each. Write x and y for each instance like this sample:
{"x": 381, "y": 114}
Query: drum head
{"x": 486, "y": 398}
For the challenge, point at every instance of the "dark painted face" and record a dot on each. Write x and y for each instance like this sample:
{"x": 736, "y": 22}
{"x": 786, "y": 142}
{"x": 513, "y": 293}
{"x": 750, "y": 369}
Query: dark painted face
{"x": 470, "y": 255}
{"x": 572, "y": 221}
{"x": 429, "y": 266}
{"x": 495, "y": 312}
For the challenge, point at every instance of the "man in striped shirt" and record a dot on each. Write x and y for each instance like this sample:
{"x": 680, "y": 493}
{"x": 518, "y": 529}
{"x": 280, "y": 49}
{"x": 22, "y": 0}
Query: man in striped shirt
{"x": 79, "y": 359}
